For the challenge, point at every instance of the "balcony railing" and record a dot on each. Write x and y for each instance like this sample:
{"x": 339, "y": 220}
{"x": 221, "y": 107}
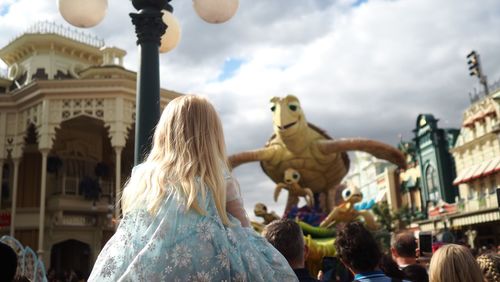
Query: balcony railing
{"x": 70, "y": 185}
{"x": 479, "y": 203}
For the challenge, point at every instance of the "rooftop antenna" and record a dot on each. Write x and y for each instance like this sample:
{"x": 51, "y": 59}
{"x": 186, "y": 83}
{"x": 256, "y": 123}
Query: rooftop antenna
{"x": 476, "y": 70}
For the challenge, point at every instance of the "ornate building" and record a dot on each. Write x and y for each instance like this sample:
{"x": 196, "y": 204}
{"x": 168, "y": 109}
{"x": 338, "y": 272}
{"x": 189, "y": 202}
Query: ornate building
{"x": 66, "y": 142}
{"x": 432, "y": 146}
{"x": 477, "y": 157}
{"x": 376, "y": 179}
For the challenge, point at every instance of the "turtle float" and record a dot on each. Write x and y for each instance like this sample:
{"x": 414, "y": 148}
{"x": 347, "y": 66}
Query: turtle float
{"x": 321, "y": 161}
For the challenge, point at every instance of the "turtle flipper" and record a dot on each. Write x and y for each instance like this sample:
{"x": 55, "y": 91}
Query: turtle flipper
{"x": 251, "y": 156}
{"x": 309, "y": 197}
{"x": 277, "y": 190}
{"x": 376, "y": 148}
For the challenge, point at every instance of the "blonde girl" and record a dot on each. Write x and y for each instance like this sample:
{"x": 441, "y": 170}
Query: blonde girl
{"x": 183, "y": 213}
{"x": 454, "y": 263}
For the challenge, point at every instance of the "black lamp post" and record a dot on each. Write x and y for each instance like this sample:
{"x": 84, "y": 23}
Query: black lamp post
{"x": 149, "y": 28}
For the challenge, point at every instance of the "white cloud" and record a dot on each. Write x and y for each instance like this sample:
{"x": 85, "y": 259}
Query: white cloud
{"x": 359, "y": 71}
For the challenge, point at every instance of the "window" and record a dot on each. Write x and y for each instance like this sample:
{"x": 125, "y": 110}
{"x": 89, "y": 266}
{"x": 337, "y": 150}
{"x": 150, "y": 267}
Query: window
{"x": 432, "y": 183}
{"x": 470, "y": 195}
{"x": 493, "y": 185}
{"x": 5, "y": 182}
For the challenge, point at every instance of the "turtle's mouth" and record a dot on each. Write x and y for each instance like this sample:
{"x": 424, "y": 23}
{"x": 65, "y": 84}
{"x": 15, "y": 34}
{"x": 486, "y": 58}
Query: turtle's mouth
{"x": 356, "y": 197}
{"x": 286, "y": 126}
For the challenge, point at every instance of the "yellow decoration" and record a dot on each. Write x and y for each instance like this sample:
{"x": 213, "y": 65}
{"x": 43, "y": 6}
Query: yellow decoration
{"x": 345, "y": 212}
{"x": 318, "y": 248}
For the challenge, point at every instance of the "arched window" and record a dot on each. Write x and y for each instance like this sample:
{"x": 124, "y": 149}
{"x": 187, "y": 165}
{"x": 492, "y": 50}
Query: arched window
{"x": 432, "y": 183}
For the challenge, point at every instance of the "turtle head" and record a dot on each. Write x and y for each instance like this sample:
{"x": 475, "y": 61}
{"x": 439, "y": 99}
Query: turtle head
{"x": 291, "y": 176}
{"x": 352, "y": 194}
{"x": 288, "y": 118}
{"x": 260, "y": 209}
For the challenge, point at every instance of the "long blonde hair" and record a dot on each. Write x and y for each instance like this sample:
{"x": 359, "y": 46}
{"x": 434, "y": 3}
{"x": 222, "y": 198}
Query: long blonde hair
{"x": 454, "y": 263}
{"x": 188, "y": 142}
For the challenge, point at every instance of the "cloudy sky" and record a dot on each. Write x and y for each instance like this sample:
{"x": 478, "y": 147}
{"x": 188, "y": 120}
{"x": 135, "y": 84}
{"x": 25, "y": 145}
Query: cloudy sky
{"x": 360, "y": 68}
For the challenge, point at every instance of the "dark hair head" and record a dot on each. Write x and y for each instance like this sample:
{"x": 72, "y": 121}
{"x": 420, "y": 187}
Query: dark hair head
{"x": 286, "y": 236}
{"x": 490, "y": 265}
{"x": 405, "y": 245}
{"x": 357, "y": 248}
{"x": 390, "y": 267}
{"x": 8, "y": 261}
{"x": 416, "y": 273}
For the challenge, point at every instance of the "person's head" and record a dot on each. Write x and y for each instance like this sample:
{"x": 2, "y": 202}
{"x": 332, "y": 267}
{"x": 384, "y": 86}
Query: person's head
{"x": 404, "y": 245}
{"x": 454, "y": 263}
{"x": 390, "y": 267}
{"x": 489, "y": 263}
{"x": 188, "y": 142}
{"x": 357, "y": 248}
{"x": 286, "y": 236}
{"x": 416, "y": 273}
{"x": 8, "y": 261}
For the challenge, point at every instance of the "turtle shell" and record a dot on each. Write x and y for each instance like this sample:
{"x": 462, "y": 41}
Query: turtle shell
{"x": 319, "y": 172}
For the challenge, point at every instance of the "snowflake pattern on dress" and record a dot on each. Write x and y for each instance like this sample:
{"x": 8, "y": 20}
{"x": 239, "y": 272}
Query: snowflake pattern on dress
{"x": 181, "y": 256}
{"x": 109, "y": 267}
{"x": 178, "y": 245}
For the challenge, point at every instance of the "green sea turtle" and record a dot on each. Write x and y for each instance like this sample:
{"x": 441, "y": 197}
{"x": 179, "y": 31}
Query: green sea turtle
{"x": 321, "y": 161}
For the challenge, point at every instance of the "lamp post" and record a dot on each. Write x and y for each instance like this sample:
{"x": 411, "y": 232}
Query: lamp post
{"x": 149, "y": 28}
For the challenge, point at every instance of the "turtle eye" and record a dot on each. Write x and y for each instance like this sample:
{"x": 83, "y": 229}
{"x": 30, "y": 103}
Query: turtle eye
{"x": 346, "y": 194}
{"x": 295, "y": 176}
{"x": 273, "y": 108}
{"x": 292, "y": 107}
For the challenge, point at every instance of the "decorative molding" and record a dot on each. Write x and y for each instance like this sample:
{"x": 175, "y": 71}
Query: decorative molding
{"x": 71, "y": 108}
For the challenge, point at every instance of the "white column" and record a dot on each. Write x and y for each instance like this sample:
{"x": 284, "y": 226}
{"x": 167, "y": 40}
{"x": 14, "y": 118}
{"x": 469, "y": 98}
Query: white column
{"x": 118, "y": 176}
{"x": 16, "y": 162}
{"x": 1, "y": 181}
{"x": 43, "y": 188}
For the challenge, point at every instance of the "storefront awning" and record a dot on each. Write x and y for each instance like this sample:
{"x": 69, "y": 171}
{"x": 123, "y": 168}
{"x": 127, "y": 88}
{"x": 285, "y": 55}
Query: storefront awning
{"x": 466, "y": 219}
{"x": 470, "y": 173}
{"x": 492, "y": 167}
{"x": 461, "y": 175}
{"x": 478, "y": 170}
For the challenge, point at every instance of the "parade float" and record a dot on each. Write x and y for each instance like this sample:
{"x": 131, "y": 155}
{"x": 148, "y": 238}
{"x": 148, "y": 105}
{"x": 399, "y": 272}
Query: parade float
{"x": 305, "y": 161}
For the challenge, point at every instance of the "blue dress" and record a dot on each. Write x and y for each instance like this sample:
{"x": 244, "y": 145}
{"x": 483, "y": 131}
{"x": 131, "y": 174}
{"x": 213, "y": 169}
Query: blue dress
{"x": 180, "y": 245}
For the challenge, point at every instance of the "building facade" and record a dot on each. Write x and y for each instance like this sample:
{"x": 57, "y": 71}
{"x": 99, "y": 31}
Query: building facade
{"x": 477, "y": 157}
{"x": 67, "y": 118}
{"x": 376, "y": 179}
{"x": 432, "y": 145}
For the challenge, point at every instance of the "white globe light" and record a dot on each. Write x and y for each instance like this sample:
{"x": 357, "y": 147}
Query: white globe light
{"x": 171, "y": 38}
{"x": 83, "y": 13}
{"x": 215, "y": 11}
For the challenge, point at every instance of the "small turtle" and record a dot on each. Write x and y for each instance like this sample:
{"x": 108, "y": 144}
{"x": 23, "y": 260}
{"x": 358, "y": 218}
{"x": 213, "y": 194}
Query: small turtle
{"x": 291, "y": 183}
{"x": 321, "y": 161}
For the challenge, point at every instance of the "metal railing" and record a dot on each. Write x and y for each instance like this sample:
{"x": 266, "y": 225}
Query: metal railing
{"x": 477, "y": 95}
{"x": 69, "y": 185}
{"x": 47, "y": 27}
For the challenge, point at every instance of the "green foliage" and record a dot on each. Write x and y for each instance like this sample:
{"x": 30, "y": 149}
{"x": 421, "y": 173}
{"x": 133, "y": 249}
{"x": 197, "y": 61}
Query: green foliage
{"x": 384, "y": 215}
{"x": 391, "y": 221}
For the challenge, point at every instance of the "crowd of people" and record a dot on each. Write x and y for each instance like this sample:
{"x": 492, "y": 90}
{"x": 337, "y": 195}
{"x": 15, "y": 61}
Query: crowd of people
{"x": 362, "y": 255}
{"x": 184, "y": 221}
